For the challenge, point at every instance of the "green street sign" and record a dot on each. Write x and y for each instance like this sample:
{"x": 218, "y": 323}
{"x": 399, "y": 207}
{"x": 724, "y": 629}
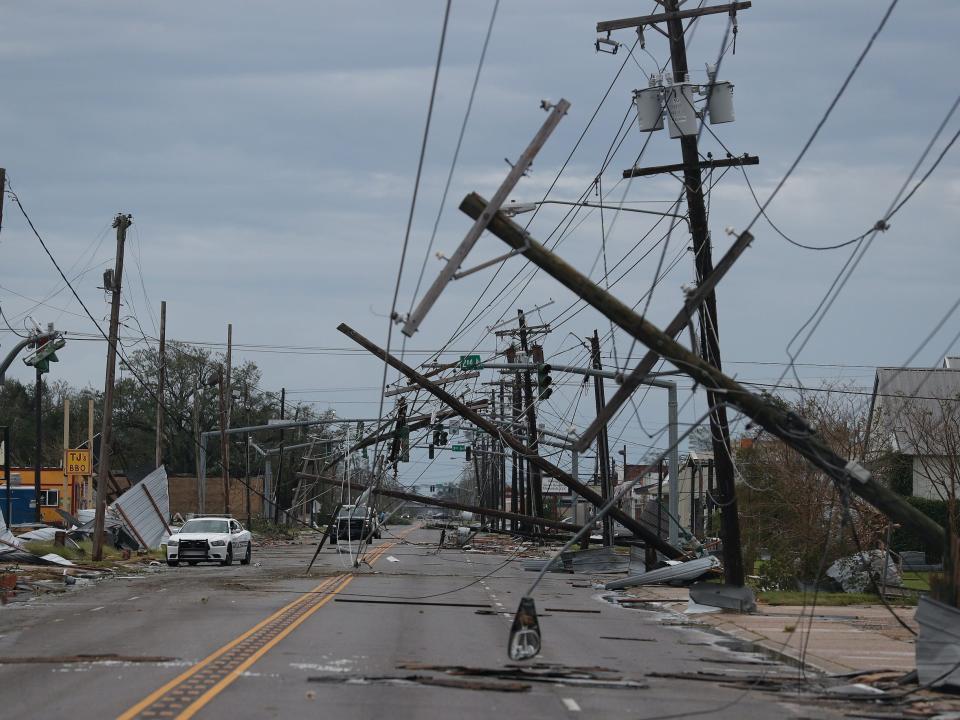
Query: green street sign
{"x": 458, "y": 448}
{"x": 469, "y": 362}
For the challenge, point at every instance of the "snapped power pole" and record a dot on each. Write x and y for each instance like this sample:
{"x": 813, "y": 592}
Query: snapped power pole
{"x": 121, "y": 222}
{"x": 788, "y": 427}
{"x": 517, "y": 171}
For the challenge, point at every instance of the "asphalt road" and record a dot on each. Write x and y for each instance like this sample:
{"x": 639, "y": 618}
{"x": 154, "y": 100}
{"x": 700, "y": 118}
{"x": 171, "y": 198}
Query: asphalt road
{"x": 264, "y": 641}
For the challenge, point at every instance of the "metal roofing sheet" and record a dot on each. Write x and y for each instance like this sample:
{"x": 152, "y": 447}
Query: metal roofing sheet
{"x": 145, "y": 508}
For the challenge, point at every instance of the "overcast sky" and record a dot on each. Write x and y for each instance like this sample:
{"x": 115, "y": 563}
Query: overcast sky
{"x": 267, "y": 152}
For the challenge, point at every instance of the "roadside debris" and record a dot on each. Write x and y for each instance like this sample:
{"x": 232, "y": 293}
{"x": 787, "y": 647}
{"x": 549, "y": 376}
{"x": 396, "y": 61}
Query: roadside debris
{"x": 674, "y": 573}
{"x": 421, "y": 680}
{"x": 549, "y": 673}
{"x": 857, "y": 573}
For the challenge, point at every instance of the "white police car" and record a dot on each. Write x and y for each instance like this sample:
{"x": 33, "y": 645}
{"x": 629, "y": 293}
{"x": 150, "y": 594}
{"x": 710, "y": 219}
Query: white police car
{"x": 209, "y": 539}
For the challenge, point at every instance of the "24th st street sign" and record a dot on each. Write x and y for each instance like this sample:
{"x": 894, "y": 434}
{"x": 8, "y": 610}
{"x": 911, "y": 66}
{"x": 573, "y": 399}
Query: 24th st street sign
{"x": 469, "y": 362}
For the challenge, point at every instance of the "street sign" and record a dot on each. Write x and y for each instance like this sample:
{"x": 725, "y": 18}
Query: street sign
{"x": 458, "y": 448}
{"x": 470, "y": 362}
{"x": 77, "y": 462}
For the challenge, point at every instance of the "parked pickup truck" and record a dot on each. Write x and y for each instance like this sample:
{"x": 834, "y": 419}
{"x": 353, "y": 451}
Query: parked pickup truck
{"x": 355, "y": 523}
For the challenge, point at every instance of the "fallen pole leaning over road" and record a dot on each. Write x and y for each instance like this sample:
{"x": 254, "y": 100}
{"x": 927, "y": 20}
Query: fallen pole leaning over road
{"x": 789, "y": 427}
{"x": 587, "y": 493}
{"x": 449, "y": 504}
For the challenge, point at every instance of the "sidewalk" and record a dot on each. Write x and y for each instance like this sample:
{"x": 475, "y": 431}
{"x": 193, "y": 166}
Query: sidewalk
{"x": 841, "y": 639}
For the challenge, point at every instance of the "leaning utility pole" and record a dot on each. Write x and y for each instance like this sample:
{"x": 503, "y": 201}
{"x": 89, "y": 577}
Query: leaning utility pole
{"x": 121, "y": 222}
{"x": 161, "y": 381}
{"x": 788, "y": 427}
{"x": 547, "y": 467}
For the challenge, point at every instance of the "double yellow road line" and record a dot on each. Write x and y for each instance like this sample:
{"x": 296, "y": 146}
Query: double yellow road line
{"x": 187, "y": 693}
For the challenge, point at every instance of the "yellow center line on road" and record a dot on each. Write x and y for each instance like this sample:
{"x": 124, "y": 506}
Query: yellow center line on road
{"x": 187, "y": 693}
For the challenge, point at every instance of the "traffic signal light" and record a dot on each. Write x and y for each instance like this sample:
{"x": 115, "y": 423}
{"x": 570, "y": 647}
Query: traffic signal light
{"x": 544, "y": 381}
{"x": 45, "y": 353}
{"x": 466, "y": 454}
{"x": 440, "y": 436}
{"x": 430, "y": 450}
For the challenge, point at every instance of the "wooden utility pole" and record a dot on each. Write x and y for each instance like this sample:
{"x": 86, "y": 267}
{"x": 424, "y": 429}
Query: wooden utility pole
{"x": 161, "y": 381}
{"x": 603, "y": 446}
{"x": 709, "y": 325}
{"x": 547, "y": 467}
{"x": 791, "y": 429}
{"x": 67, "y": 477}
{"x": 121, "y": 222}
{"x": 225, "y": 422}
{"x": 88, "y": 480}
{"x": 438, "y": 502}
{"x": 534, "y": 477}
{"x": 38, "y": 449}
{"x": 276, "y": 490}
{"x": 197, "y": 440}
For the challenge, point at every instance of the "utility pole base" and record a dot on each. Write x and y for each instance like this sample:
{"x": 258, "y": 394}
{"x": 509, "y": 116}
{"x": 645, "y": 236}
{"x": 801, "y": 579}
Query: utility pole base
{"x": 726, "y": 596}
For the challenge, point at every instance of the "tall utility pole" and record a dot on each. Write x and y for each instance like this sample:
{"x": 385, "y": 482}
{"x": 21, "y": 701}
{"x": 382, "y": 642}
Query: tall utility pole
{"x": 276, "y": 491}
{"x": 603, "y": 448}
{"x": 709, "y": 325}
{"x": 225, "y": 397}
{"x": 38, "y": 450}
{"x": 534, "y": 476}
{"x": 6, "y": 469}
{"x": 121, "y": 222}
{"x": 161, "y": 381}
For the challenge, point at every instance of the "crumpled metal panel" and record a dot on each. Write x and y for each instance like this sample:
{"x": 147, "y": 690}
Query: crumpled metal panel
{"x": 137, "y": 513}
{"x": 8, "y": 542}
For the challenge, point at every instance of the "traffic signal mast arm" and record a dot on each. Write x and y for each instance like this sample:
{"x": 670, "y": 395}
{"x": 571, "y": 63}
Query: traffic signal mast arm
{"x": 789, "y": 427}
{"x": 15, "y": 350}
{"x": 587, "y": 493}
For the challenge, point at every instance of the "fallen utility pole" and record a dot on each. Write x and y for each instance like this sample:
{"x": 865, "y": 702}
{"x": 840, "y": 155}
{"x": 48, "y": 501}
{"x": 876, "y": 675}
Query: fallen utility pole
{"x": 517, "y": 171}
{"x": 787, "y": 426}
{"x": 121, "y": 222}
{"x": 417, "y": 423}
{"x": 444, "y": 381}
{"x": 440, "y": 502}
{"x": 491, "y": 428}
{"x": 642, "y": 372}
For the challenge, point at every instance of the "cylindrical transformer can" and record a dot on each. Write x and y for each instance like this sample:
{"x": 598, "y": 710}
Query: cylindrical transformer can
{"x": 681, "y": 113}
{"x": 649, "y": 110}
{"x": 721, "y": 103}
